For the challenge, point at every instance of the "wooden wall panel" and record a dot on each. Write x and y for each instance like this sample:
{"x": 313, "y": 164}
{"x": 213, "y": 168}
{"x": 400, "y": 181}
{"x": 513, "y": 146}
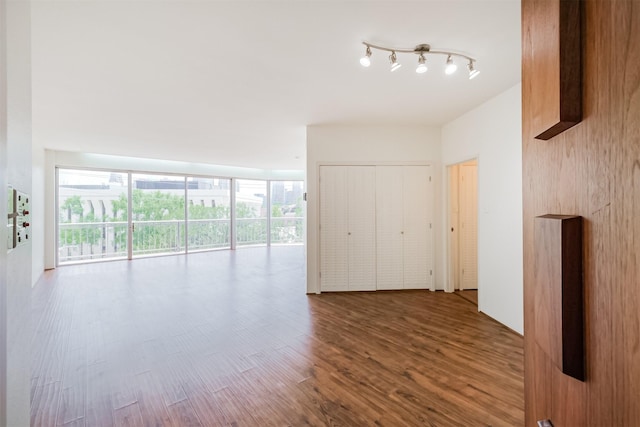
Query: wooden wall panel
{"x": 558, "y": 291}
{"x": 591, "y": 170}
{"x": 558, "y": 67}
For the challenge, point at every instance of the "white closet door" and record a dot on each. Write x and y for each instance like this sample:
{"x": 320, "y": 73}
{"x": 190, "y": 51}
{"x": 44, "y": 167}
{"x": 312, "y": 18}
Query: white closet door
{"x": 418, "y": 247}
{"x": 469, "y": 226}
{"x": 389, "y": 229}
{"x": 362, "y": 227}
{"x": 430, "y": 208}
{"x": 334, "y": 268}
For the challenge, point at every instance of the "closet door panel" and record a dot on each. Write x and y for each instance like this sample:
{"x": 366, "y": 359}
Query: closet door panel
{"x": 389, "y": 207}
{"x": 429, "y": 246}
{"x": 417, "y": 205}
{"x": 361, "y": 198}
{"x": 334, "y": 256}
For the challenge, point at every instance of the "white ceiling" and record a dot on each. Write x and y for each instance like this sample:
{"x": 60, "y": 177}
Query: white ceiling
{"x": 236, "y": 82}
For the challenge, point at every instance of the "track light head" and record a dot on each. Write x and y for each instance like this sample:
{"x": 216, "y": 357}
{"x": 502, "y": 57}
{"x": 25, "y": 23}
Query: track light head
{"x": 473, "y": 73}
{"x": 422, "y": 66}
{"x": 451, "y": 67}
{"x": 365, "y": 61}
{"x": 394, "y": 61}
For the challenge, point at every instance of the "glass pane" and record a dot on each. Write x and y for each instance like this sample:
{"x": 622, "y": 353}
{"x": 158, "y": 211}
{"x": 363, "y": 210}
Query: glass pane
{"x": 287, "y": 219}
{"x": 209, "y": 203}
{"x": 251, "y": 212}
{"x": 92, "y": 215}
{"x": 158, "y": 214}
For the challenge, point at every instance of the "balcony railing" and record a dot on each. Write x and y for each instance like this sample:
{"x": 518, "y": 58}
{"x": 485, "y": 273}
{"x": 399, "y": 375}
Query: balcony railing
{"x": 100, "y": 240}
{"x": 251, "y": 231}
{"x": 284, "y": 230}
{"x": 91, "y": 240}
{"x": 209, "y": 234}
{"x": 158, "y": 237}
{"x": 287, "y": 230}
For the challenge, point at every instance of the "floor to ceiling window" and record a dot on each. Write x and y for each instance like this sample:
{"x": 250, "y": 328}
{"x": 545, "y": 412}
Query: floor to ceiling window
{"x": 158, "y": 214}
{"x": 287, "y": 220}
{"x": 92, "y": 215}
{"x": 100, "y": 217}
{"x": 209, "y": 213}
{"x": 251, "y": 212}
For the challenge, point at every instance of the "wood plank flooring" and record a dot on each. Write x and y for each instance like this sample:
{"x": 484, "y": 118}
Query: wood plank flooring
{"x": 229, "y": 338}
{"x": 470, "y": 295}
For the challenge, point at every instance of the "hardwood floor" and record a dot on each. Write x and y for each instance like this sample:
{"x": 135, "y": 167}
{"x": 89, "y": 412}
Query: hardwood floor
{"x": 470, "y": 295}
{"x": 230, "y": 338}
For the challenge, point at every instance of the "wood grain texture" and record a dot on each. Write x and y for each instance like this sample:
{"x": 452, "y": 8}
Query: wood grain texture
{"x": 590, "y": 170}
{"x": 230, "y": 338}
{"x": 559, "y": 291}
{"x": 557, "y": 60}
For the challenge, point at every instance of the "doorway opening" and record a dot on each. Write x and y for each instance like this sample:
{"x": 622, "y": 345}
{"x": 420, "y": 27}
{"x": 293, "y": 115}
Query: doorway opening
{"x": 463, "y": 229}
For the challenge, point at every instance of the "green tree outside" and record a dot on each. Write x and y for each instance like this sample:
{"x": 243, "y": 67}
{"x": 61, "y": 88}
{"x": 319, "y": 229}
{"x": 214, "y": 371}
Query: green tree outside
{"x": 149, "y": 206}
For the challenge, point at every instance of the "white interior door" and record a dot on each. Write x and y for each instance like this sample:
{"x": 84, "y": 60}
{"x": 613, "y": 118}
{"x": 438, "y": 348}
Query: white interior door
{"x": 468, "y": 226}
{"x": 389, "y": 229}
{"x": 334, "y": 268}
{"x": 361, "y": 181}
{"x": 417, "y": 219}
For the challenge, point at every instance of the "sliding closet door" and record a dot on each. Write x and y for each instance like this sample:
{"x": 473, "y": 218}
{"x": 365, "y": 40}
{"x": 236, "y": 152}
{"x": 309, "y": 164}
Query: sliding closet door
{"x": 362, "y": 227}
{"x": 389, "y": 220}
{"x": 417, "y": 219}
{"x": 334, "y": 252}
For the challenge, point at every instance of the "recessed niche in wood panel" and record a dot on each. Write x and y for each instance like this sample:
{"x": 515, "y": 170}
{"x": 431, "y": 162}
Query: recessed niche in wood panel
{"x": 558, "y": 295}
{"x": 557, "y": 66}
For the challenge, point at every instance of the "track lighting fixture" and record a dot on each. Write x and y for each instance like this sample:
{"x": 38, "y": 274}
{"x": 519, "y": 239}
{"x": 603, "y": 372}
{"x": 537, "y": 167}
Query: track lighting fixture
{"x": 421, "y": 50}
{"x": 394, "y": 61}
{"x": 473, "y": 73}
{"x": 451, "y": 67}
{"x": 422, "y": 66}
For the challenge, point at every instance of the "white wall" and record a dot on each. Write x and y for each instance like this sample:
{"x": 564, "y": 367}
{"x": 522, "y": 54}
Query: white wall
{"x": 368, "y": 145}
{"x": 492, "y": 133}
{"x": 37, "y": 215}
{"x": 50, "y": 213}
{"x": 18, "y": 174}
{"x": 3, "y": 214}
